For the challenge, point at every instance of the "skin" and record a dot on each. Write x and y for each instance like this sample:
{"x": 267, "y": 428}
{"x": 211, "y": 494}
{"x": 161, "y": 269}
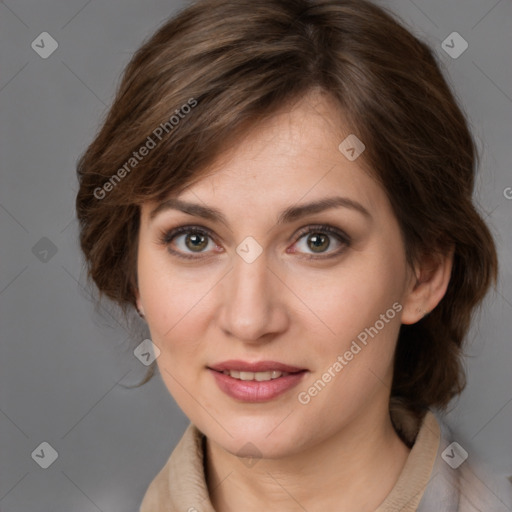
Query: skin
{"x": 339, "y": 451}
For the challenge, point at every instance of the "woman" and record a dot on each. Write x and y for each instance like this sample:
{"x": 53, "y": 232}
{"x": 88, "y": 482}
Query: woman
{"x": 283, "y": 190}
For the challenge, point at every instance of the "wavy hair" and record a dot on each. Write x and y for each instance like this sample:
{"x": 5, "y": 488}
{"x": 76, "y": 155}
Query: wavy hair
{"x": 241, "y": 61}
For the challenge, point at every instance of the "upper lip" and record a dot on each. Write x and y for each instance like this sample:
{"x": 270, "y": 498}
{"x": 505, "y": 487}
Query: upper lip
{"x": 260, "y": 366}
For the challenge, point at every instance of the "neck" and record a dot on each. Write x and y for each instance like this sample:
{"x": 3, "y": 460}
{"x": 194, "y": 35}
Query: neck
{"x": 354, "y": 469}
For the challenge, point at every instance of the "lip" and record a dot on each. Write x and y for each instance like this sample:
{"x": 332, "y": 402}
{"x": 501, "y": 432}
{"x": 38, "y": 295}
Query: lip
{"x": 259, "y": 366}
{"x": 252, "y": 390}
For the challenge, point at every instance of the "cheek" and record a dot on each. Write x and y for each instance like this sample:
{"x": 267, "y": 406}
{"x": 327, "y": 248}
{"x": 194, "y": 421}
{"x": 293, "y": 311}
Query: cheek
{"x": 352, "y": 296}
{"x": 175, "y": 316}
{"x": 367, "y": 321}
{"x": 172, "y": 300}
{"x": 164, "y": 289}
{"x": 359, "y": 305}
{"x": 355, "y": 359}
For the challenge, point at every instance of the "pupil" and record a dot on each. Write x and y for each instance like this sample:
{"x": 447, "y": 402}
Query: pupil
{"x": 318, "y": 241}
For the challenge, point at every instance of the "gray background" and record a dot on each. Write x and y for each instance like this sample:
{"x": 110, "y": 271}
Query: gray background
{"x": 63, "y": 364}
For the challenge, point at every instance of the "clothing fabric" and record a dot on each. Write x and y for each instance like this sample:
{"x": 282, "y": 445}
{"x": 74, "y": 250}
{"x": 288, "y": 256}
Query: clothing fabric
{"x": 433, "y": 479}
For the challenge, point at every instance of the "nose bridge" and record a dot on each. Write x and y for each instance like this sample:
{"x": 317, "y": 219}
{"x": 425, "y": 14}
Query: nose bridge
{"x": 250, "y": 301}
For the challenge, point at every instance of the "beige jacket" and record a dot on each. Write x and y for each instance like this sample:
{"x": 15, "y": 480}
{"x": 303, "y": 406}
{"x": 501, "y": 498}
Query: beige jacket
{"x": 427, "y": 482}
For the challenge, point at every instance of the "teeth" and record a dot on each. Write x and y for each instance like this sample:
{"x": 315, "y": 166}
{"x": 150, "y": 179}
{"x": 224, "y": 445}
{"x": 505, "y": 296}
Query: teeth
{"x": 258, "y": 376}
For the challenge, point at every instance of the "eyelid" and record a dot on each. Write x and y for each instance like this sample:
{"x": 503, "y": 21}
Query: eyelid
{"x": 168, "y": 234}
{"x": 322, "y": 228}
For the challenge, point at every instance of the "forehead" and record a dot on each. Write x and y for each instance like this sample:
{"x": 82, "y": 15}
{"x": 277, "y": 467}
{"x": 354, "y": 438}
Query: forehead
{"x": 290, "y": 157}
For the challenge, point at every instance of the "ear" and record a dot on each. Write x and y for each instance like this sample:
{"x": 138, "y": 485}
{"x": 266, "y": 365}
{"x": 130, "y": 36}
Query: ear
{"x": 140, "y": 307}
{"x": 138, "y": 302}
{"x": 427, "y": 285}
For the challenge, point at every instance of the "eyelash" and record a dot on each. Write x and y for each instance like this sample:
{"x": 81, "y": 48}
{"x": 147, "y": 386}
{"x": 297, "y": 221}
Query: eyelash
{"x": 166, "y": 237}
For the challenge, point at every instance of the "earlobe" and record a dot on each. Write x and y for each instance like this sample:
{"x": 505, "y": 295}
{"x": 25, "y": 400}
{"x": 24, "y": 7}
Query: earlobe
{"x": 140, "y": 310}
{"x": 135, "y": 290}
{"x": 139, "y": 306}
{"x": 428, "y": 286}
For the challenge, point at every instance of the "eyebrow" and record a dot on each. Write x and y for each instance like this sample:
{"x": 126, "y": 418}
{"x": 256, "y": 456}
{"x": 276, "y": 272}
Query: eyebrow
{"x": 290, "y": 214}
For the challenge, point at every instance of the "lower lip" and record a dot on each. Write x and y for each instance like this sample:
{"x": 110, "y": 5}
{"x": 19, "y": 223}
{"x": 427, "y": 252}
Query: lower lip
{"x": 256, "y": 391}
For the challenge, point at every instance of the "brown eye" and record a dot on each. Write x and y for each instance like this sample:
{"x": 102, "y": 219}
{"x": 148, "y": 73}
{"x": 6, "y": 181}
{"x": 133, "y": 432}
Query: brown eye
{"x": 318, "y": 239}
{"x": 184, "y": 241}
{"x": 318, "y": 242}
{"x": 196, "y": 242}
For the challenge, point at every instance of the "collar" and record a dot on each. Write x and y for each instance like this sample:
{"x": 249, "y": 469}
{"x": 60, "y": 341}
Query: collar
{"x": 181, "y": 486}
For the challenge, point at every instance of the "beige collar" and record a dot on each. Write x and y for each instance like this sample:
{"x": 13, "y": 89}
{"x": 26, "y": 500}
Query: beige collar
{"x": 181, "y": 485}
{"x": 410, "y": 486}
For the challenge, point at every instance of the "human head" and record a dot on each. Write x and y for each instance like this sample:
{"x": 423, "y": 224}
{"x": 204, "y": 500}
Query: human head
{"x": 235, "y": 64}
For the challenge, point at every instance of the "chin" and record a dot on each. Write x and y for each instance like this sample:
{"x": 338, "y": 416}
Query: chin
{"x": 258, "y": 438}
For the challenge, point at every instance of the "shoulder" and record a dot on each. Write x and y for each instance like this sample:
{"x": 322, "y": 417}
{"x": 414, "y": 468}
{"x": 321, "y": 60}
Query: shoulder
{"x": 459, "y": 482}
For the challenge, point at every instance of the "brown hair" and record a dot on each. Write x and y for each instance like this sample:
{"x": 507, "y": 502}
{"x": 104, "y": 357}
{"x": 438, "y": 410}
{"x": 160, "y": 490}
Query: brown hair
{"x": 233, "y": 62}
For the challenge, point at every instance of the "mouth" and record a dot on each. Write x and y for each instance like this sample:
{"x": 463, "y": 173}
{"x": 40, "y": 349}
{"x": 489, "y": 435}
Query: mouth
{"x": 256, "y": 382}
{"x": 257, "y": 376}
{"x": 260, "y": 371}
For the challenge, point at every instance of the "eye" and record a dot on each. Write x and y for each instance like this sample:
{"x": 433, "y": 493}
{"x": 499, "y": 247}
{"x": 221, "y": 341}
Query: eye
{"x": 319, "y": 238}
{"x": 188, "y": 238}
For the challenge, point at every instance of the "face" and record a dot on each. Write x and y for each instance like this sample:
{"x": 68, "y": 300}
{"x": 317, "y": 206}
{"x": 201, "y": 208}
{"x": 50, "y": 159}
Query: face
{"x": 254, "y": 277}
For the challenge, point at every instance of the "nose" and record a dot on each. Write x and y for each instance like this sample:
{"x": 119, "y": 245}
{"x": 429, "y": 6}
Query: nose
{"x": 252, "y": 303}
